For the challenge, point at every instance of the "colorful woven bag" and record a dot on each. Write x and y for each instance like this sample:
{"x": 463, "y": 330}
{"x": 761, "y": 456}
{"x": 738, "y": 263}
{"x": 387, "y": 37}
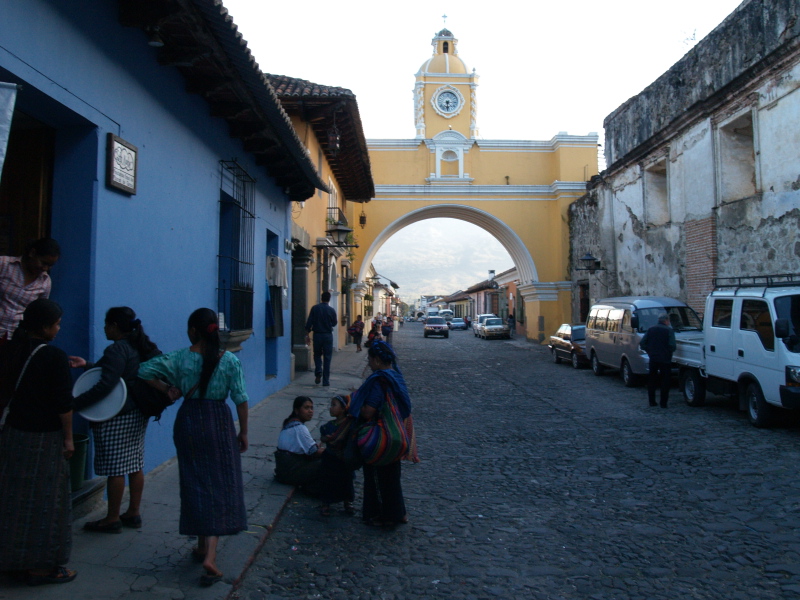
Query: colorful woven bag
{"x": 384, "y": 440}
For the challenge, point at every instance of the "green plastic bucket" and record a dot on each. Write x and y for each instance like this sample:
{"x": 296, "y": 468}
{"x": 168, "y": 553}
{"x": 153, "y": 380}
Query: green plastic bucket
{"x": 77, "y": 463}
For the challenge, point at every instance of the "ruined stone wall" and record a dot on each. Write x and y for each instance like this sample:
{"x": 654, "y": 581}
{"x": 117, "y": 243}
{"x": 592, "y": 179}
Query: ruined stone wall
{"x": 751, "y": 243}
{"x": 757, "y": 32}
{"x": 716, "y": 193}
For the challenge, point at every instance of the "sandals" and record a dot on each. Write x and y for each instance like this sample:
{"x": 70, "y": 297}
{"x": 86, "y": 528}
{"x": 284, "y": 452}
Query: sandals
{"x": 132, "y": 522}
{"x": 57, "y": 575}
{"x": 99, "y": 527}
{"x": 209, "y": 579}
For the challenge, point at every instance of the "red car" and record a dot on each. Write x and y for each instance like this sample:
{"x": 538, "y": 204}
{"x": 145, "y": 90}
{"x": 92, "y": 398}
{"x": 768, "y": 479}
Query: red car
{"x": 569, "y": 343}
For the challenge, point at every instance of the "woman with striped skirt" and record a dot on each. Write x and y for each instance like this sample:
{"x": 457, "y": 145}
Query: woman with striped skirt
{"x": 36, "y": 440}
{"x": 207, "y": 445}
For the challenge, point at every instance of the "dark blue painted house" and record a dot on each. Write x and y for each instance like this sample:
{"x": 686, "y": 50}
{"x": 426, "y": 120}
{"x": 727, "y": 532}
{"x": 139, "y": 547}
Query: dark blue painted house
{"x": 147, "y": 142}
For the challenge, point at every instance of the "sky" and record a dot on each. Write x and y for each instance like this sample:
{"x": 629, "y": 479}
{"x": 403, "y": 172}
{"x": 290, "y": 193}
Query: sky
{"x": 544, "y": 67}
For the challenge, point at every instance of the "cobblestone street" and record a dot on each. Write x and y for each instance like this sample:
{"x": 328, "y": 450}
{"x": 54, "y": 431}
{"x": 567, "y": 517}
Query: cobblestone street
{"x": 539, "y": 481}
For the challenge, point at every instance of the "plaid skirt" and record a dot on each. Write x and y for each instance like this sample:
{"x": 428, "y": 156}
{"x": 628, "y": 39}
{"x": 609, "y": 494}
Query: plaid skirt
{"x": 210, "y": 469}
{"x": 35, "y": 504}
{"x": 119, "y": 444}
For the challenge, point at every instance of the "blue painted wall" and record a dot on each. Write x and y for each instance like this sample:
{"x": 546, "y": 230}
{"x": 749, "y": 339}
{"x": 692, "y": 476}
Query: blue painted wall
{"x": 85, "y": 75}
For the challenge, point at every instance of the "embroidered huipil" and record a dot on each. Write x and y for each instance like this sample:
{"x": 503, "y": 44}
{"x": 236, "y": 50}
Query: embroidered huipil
{"x": 182, "y": 369}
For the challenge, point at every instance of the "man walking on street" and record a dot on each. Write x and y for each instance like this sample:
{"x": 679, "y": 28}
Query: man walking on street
{"x": 659, "y": 343}
{"x": 322, "y": 320}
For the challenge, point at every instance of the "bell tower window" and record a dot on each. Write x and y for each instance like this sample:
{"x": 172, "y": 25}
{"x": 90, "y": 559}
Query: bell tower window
{"x": 446, "y": 47}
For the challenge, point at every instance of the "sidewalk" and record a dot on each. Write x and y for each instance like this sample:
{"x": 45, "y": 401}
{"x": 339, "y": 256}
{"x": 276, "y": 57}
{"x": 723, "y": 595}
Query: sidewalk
{"x": 156, "y": 561}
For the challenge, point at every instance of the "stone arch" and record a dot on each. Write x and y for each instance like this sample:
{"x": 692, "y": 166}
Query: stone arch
{"x": 526, "y": 269}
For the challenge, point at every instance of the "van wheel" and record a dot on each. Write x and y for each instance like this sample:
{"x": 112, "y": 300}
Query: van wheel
{"x": 628, "y": 378}
{"x": 575, "y": 362}
{"x": 693, "y": 387}
{"x": 597, "y": 368}
{"x": 758, "y": 411}
{"x": 554, "y": 355}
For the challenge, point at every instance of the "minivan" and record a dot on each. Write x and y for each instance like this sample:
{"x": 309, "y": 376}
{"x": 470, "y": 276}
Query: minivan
{"x": 616, "y": 326}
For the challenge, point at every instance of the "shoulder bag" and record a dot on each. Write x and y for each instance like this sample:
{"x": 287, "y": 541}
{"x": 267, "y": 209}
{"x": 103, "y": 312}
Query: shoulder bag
{"x": 16, "y": 387}
{"x": 384, "y": 439}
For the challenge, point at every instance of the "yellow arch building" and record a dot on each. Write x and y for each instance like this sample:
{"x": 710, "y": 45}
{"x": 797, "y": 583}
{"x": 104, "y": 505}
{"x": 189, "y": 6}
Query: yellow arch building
{"x": 518, "y": 191}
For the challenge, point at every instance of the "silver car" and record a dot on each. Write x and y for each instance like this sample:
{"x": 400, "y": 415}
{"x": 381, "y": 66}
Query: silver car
{"x": 494, "y": 327}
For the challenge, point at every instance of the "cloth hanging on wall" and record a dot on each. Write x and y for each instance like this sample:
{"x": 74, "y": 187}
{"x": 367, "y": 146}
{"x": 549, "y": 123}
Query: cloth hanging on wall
{"x": 8, "y": 97}
{"x": 277, "y": 270}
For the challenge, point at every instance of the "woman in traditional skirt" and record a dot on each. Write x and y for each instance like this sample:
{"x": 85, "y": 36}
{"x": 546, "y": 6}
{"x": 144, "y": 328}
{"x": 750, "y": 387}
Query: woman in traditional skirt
{"x": 383, "y": 492}
{"x": 212, "y": 494}
{"x": 119, "y": 442}
{"x": 36, "y": 440}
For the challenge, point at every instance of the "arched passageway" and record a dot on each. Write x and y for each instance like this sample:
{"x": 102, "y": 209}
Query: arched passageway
{"x": 512, "y": 243}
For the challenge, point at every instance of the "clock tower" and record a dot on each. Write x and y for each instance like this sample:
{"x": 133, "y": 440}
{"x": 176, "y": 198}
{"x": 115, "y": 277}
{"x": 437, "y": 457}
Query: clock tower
{"x": 444, "y": 94}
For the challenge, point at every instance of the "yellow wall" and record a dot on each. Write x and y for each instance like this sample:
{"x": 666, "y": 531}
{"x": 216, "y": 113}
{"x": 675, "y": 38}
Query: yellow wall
{"x": 540, "y": 220}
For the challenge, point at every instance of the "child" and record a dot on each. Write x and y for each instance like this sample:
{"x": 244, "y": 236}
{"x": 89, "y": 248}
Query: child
{"x": 374, "y": 334}
{"x": 297, "y": 458}
{"x": 335, "y": 476}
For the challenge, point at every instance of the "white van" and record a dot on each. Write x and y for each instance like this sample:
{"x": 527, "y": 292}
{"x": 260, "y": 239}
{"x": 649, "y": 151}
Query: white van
{"x": 616, "y": 326}
{"x": 750, "y": 346}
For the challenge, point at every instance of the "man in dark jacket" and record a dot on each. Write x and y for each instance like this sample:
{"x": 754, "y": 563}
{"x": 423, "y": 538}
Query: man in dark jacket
{"x": 322, "y": 320}
{"x": 659, "y": 343}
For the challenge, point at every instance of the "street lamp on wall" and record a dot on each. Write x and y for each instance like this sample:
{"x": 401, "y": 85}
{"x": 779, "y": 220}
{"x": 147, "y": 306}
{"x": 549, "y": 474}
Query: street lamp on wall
{"x": 590, "y": 263}
{"x": 338, "y": 233}
{"x": 377, "y": 278}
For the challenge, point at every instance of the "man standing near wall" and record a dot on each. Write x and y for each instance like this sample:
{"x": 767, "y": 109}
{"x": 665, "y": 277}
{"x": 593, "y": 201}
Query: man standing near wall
{"x": 322, "y": 320}
{"x": 659, "y": 343}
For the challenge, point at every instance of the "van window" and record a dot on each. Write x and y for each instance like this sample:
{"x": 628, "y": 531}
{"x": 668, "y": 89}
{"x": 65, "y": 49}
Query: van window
{"x": 626, "y": 322}
{"x": 590, "y": 323}
{"x": 681, "y": 318}
{"x": 601, "y": 319}
{"x": 756, "y": 317}
{"x": 721, "y": 317}
{"x": 614, "y": 319}
{"x": 788, "y": 307}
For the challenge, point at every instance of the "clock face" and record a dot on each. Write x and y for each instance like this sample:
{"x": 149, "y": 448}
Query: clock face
{"x": 447, "y": 101}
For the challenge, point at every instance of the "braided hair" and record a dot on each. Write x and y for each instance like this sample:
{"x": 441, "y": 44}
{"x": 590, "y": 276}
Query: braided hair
{"x": 125, "y": 319}
{"x": 206, "y": 325}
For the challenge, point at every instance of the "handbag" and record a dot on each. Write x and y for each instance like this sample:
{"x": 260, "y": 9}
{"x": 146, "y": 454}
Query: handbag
{"x": 7, "y": 409}
{"x": 384, "y": 440}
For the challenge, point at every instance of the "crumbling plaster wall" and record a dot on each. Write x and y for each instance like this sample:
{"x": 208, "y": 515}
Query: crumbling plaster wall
{"x": 756, "y": 31}
{"x": 642, "y": 243}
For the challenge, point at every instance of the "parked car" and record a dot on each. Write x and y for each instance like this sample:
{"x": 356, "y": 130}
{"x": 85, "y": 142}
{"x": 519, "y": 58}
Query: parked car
{"x": 494, "y": 327}
{"x": 435, "y": 326}
{"x": 616, "y": 325}
{"x": 569, "y": 343}
{"x": 478, "y": 322}
{"x": 457, "y": 323}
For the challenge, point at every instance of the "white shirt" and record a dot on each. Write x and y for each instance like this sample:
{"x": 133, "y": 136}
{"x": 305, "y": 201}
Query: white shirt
{"x": 296, "y": 438}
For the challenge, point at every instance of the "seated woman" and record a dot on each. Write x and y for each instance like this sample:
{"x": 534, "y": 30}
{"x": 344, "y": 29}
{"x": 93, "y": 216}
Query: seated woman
{"x": 297, "y": 460}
